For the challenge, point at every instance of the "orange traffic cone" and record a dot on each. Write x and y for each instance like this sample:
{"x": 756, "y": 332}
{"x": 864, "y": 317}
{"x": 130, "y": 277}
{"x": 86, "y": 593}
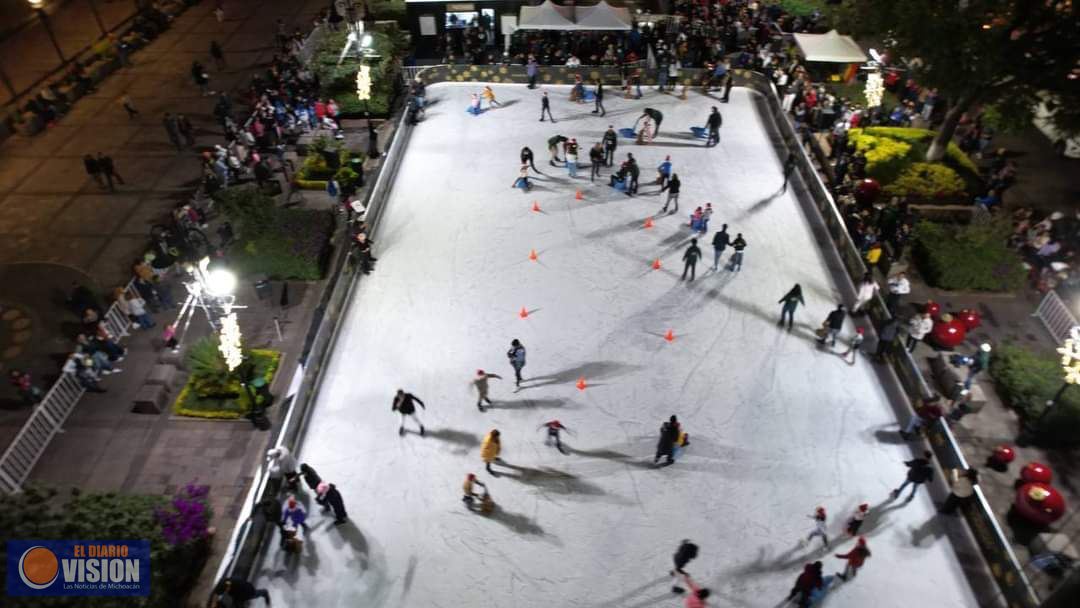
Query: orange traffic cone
{"x": 536, "y": 206}
{"x": 648, "y": 222}
{"x": 656, "y": 264}
{"x": 524, "y": 313}
{"x": 579, "y": 196}
{"x": 532, "y": 255}
{"x": 669, "y": 336}
{"x": 581, "y": 383}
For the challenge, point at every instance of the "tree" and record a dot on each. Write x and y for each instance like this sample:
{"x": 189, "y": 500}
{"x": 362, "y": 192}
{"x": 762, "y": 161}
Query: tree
{"x": 1012, "y": 53}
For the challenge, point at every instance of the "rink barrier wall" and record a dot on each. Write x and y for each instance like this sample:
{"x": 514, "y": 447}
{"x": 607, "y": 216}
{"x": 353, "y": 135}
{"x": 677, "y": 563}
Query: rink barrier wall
{"x": 549, "y": 75}
{"x": 251, "y": 537}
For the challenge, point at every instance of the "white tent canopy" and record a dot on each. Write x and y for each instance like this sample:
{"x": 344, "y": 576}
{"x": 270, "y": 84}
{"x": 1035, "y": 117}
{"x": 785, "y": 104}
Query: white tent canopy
{"x": 830, "y": 47}
{"x": 602, "y": 16}
{"x": 551, "y": 16}
{"x": 547, "y": 16}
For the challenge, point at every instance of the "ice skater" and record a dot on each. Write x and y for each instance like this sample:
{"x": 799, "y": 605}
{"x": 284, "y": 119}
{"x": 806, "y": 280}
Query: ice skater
{"x": 634, "y": 172}
{"x": 405, "y": 404}
{"x": 712, "y": 123}
{"x": 553, "y": 428}
{"x": 730, "y": 82}
{"x": 790, "y": 301}
{"x": 480, "y": 381}
{"x": 720, "y": 241}
{"x": 739, "y": 244}
{"x": 329, "y": 497}
{"x": 527, "y": 159}
{"x": 545, "y": 106}
{"x": 490, "y": 449}
{"x": 819, "y": 518}
{"x": 656, "y": 116}
{"x": 855, "y": 559}
{"x": 611, "y": 142}
{"x": 855, "y": 522}
{"x": 596, "y": 160}
{"x": 489, "y": 96}
{"x": 832, "y": 326}
{"x": 474, "y": 105}
{"x": 684, "y": 554}
{"x": 789, "y": 168}
{"x": 516, "y": 355}
{"x": 571, "y": 155}
{"x": 672, "y": 186}
{"x": 919, "y": 472}
{"x": 854, "y": 347}
{"x": 691, "y": 257}
{"x": 809, "y": 580}
{"x": 663, "y": 172}
{"x": 698, "y": 595}
{"x": 669, "y": 435}
{"x": 553, "y": 148}
{"x": 598, "y": 97}
{"x": 469, "y": 489}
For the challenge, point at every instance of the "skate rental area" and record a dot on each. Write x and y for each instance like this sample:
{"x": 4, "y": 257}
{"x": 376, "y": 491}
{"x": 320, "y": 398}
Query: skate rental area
{"x": 777, "y": 425}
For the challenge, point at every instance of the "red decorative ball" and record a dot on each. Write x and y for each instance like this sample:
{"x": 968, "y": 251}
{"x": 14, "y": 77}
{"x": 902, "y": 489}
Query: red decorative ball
{"x": 1039, "y": 503}
{"x": 949, "y": 334}
{"x": 970, "y": 318}
{"x": 933, "y": 308}
{"x": 1003, "y": 454}
{"x": 1036, "y": 472}
{"x": 867, "y": 191}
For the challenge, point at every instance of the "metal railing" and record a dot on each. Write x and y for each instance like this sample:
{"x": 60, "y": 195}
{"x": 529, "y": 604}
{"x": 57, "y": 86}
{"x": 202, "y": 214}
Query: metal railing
{"x": 49, "y": 415}
{"x": 1056, "y": 316}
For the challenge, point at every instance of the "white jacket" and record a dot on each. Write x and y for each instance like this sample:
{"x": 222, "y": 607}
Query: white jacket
{"x": 919, "y": 326}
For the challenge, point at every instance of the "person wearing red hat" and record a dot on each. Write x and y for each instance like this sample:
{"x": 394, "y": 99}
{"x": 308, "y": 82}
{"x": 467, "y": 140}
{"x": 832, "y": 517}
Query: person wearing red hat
{"x": 857, "y": 518}
{"x": 469, "y": 489}
{"x": 853, "y": 348}
{"x": 553, "y": 428}
{"x": 855, "y": 559}
{"x": 819, "y": 518}
{"x": 481, "y": 384}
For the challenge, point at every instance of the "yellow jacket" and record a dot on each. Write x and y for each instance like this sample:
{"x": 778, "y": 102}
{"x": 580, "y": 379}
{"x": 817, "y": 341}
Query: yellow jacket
{"x": 488, "y": 94}
{"x": 489, "y": 449}
{"x": 873, "y": 255}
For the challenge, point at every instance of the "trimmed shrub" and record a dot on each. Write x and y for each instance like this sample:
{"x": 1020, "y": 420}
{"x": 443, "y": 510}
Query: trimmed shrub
{"x": 969, "y": 257}
{"x": 895, "y": 157}
{"x": 927, "y": 181}
{"x": 314, "y": 172}
{"x": 1026, "y": 381}
{"x": 214, "y": 396}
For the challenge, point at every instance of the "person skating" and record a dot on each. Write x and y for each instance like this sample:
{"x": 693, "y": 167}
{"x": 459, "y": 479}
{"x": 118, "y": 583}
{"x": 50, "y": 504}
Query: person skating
{"x": 553, "y": 428}
{"x": 919, "y": 472}
{"x": 855, "y": 346}
{"x": 672, "y": 186}
{"x": 712, "y": 124}
{"x": 405, "y": 404}
{"x": 469, "y": 489}
{"x": 516, "y": 355}
{"x": 655, "y": 115}
{"x": 282, "y": 465}
{"x": 635, "y": 172}
{"x": 480, "y": 381}
{"x": 855, "y": 559}
{"x": 553, "y": 147}
{"x": 832, "y": 325}
{"x": 311, "y": 478}
{"x": 545, "y": 106}
{"x": 730, "y": 82}
{"x": 789, "y": 168}
{"x": 598, "y": 98}
{"x": 720, "y": 241}
{"x": 926, "y": 412}
{"x": 663, "y": 172}
{"x": 611, "y": 142}
{"x": 329, "y": 497}
{"x": 697, "y": 596}
{"x": 522, "y": 181}
{"x": 790, "y": 301}
{"x": 669, "y": 435}
{"x": 855, "y": 522}
{"x": 691, "y": 257}
{"x": 684, "y": 554}
{"x": 596, "y": 160}
{"x": 363, "y": 252}
{"x": 527, "y": 158}
{"x": 820, "y": 524}
{"x": 739, "y": 244}
{"x": 293, "y": 513}
{"x": 490, "y": 448}
{"x": 571, "y": 155}
{"x": 809, "y": 580}
{"x": 489, "y": 96}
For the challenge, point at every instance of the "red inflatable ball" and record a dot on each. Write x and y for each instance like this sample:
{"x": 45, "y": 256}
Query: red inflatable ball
{"x": 933, "y": 308}
{"x": 1039, "y": 503}
{"x": 867, "y": 191}
{"x": 1036, "y": 472}
{"x": 1003, "y": 454}
{"x": 970, "y": 318}
{"x": 949, "y": 332}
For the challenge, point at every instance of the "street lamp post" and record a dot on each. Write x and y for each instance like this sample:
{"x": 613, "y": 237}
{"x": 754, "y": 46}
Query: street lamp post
{"x": 39, "y": 7}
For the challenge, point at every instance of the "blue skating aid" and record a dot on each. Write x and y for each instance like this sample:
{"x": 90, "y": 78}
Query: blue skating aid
{"x": 474, "y": 112}
{"x": 629, "y": 133}
{"x": 520, "y": 183}
{"x": 620, "y": 185}
{"x": 589, "y": 96}
{"x": 699, "y": 132}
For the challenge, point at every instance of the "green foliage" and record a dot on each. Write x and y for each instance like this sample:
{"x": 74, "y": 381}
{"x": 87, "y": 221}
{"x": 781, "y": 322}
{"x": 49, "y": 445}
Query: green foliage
{"x": 927, "y": 181}
{"x": 886, "y": 157}
{"x": 346, "y": 177}
{"x": 314, "y": 172}
{"x": 48, "y": 514}
{"x": 803, "y": 7}
{"x": 968, "y": 257}
{"x": 388, "y": 10}
{"x": 1026, "y": 381}
{"x": 246, "y": 206}
{"x": 237, "y": 403}
{"x": 894, "y": 157}
{"x": 339, "y": 82}
{"x": 209, "y": 374}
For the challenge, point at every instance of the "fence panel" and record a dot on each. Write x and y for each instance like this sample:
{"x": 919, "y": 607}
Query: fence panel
{"x": 1056, "y": 316}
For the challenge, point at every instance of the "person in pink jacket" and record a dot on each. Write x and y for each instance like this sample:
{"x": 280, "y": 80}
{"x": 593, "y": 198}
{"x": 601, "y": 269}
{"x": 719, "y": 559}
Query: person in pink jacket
{"x": 697, "y": 596}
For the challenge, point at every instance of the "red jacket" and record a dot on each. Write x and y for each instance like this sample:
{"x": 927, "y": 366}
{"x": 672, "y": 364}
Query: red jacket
{"x": 857, "y": 556}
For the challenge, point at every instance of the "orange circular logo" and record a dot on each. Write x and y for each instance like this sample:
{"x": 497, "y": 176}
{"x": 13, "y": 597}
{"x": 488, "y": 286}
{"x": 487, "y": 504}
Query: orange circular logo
{"x": 38, "y": 567}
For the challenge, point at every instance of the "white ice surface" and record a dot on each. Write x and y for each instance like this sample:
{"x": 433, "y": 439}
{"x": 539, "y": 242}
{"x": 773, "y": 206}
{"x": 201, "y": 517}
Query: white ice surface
{"x": 777, "y": 426}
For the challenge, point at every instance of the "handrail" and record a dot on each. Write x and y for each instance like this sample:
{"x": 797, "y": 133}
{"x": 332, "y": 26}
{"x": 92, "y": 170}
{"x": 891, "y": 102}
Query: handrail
{"x": 49, "y": 415}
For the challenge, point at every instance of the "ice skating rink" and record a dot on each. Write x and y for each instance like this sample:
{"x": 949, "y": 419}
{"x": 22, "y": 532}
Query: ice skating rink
{"x": 777, "y": 426}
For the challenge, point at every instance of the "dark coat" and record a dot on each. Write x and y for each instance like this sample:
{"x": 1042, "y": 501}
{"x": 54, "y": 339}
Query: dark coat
{"x": 714, "y": 121}
{"x": 686, "y": 552}
{"x": 835, "y": 320}
{"x": 673, "y": 185}
{"x": 669, "y": 434}
{"x": 311, "y": 478}
{"x": 721, "y": 240}
{"x": 407, "y": 403}
{"x": 919, "y": 470}
{"x": 332, "y": 498}
{"x": 611, "y": 140}
{"x": 693, "y": 254}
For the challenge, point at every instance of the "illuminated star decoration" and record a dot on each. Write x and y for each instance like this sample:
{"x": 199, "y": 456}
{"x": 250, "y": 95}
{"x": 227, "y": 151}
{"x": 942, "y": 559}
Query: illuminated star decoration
{"x": 1070, "y": 356}
{"x": 363, "y": 83}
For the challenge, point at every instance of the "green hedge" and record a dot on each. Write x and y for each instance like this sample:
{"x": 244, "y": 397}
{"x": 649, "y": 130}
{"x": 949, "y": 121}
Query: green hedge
{"x": 278, "y": 243}
{"x": 896, "y": 158}
{"x": 211, "y": 395}
{"x": 967, "y": 257}
{"x": 314, "y": 173}
{"x": 338, "y": 82}
{"x": 1026, "y": 381}
{"x": 47, "y": 514}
